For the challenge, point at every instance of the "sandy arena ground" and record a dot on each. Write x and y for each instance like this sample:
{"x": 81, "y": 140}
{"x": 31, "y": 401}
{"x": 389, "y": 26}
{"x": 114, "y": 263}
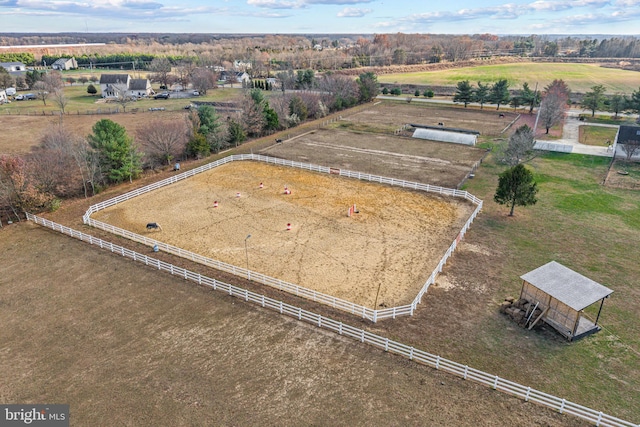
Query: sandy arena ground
{"x": 393, "y": 243}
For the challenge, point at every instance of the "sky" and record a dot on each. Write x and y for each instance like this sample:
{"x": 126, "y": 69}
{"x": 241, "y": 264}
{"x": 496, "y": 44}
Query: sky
{"x": 611, "y": 17}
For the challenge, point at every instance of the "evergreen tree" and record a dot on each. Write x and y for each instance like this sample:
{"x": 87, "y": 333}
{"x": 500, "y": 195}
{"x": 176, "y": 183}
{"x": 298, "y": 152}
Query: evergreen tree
{"x": 594, "y": 99}
{"x": 118, "y": 157}
{"x": 481, "y": 94}
{"x": 236, "y": 134}
{"x": 516, "y": 187}
{"x": 500, "y": 92}
{"x": 464, "y": 93}
{"x": 369, "y": 86}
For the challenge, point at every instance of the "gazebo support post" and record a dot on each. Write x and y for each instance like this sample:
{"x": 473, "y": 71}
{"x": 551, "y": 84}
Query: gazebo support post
{"x": 599, "y": 310}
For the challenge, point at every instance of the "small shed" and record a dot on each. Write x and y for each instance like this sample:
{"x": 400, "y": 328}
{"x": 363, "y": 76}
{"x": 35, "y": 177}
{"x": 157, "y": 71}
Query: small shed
{"x": 562, "y": 295}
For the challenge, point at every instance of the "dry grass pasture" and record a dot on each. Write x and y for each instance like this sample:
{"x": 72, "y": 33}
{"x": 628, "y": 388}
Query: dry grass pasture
{"x": 405, "y": 158}
{"x": 393, "y": 115}
{"x": 20, "y": 133}
{"x": 127, "y": 345}
{"x": 392, "y": 244}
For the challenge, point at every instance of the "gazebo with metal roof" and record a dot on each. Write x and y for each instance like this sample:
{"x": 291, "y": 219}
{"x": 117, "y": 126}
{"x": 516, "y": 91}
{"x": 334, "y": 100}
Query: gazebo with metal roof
{"x": 562, "y": 295}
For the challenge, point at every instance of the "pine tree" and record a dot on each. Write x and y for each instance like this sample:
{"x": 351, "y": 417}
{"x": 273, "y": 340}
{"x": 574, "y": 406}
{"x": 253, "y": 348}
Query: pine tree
{"x": 516, "y": 187}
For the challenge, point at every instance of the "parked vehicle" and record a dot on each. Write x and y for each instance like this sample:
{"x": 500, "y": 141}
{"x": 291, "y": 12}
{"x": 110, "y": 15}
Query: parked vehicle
{"x": 162, "y": 95}
{"x": 10, "y": 91}
{"x": 195, "y": 93}
{"x": 25, "y": 96}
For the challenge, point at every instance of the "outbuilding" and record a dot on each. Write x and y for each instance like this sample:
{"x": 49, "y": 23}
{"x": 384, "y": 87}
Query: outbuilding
{"x": 562, "y": 294}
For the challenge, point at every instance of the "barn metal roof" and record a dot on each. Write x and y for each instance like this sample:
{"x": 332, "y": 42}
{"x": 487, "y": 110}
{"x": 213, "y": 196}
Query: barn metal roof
{"x": 567, "y": 286}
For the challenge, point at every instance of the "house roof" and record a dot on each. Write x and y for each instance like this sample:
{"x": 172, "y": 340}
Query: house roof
{"x": 629, "y": 133}
{"x": 138, "y": 84}
{"x": 567, "y": 286}
{"x": 61, "y": 61}
{"x": 114, "y": 78}
{"x": 11, "y": 64}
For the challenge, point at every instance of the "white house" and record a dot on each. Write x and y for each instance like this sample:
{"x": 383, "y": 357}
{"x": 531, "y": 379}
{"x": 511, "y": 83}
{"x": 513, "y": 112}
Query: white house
{"x": 14, "y": 68}
{"x": 139, "y": 88}
{"x": 234, "y": 77}
{"x": 65, "y": 64}
{"x": 113, "y": 85}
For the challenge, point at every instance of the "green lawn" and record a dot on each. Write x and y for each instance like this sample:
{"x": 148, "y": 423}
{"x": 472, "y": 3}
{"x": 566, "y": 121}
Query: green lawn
{"x": 80, "y": 100}
{"x": 579, "y": 77}
{"x": 594, "y": 230}
{"x": 597, "y": 135}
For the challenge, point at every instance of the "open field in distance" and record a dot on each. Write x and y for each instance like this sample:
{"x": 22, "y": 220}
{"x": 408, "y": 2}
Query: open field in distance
{"x": 579, "y": 77}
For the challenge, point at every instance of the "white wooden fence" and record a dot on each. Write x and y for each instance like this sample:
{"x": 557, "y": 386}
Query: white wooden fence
{"x": 364, "y": 312}
{"x": 528, "y": 394}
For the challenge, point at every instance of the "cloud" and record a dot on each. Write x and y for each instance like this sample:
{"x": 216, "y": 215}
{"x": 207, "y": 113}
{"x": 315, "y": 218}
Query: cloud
{"x": 338, "y": 2}
{"x": 352, "y": 12}
{"x": 141, "y": 5}
{"x": 276, "y": 4}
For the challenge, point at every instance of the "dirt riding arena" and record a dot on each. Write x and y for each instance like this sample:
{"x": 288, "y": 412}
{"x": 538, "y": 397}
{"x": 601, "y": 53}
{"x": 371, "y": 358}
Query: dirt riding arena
{"x": 436, "y": 163}
{"x": 393, "y": 243}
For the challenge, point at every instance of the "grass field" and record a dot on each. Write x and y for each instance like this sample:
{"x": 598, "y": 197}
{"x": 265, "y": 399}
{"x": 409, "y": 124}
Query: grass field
{"x": 579, "y": 77}
{"x": 597, "y": 135}
{"x": 591, "y": 228}
{"x": 80, "y": 100}
{"x": 127, "y": 345}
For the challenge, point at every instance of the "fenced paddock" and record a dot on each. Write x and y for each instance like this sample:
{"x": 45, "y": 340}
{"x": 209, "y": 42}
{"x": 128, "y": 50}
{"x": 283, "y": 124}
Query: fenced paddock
{"x": 465, "y": 372}
{"x": 362, "y": 310}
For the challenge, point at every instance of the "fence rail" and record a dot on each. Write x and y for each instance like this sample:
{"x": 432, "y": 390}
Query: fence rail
{"x": 528, "y": 394}
{"x": 350, "y": 307}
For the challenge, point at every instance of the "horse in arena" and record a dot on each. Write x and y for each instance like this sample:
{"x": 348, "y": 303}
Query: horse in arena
{"x": 153, "y": 226}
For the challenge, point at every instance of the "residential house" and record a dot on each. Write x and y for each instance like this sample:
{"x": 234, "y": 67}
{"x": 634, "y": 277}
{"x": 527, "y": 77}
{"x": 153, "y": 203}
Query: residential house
{"x": 14, "y": 68}
{"x": 628, "y": 133}
{"x": 65, "y": 64}
{"x": 241, "y": 65}
{"x": 114, "y": 85}
{"x": 232, "y": 77}
{"x": 139, "y": 88}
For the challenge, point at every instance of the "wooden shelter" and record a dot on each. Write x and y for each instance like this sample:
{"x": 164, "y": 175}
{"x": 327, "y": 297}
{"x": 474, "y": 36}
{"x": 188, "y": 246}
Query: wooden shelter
{"x": 562, "y": 295}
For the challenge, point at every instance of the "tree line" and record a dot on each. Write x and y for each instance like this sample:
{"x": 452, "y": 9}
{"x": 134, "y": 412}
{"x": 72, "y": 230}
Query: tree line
{"x": 66, "y": 165}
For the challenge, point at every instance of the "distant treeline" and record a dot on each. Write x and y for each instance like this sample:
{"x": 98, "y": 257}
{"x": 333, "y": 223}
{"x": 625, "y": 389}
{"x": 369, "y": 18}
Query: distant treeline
{"x": 25, "y": 58}
{"x": 125, "y": 61}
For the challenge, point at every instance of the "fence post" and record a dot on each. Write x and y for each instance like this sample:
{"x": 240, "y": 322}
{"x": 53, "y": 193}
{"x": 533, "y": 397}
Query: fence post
{"x": 495, "y": 383}
{"x": 466, "y": 370}
{"x": 526, "y": 397}
{"x": 562, "y": 405}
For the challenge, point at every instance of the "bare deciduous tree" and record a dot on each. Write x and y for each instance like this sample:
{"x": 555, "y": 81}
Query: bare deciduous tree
{"x": 630, "y": 148}
{"x": 554, "y": 104}
{"x": 60, "y": 100}
{"x": 204, "y": 79}
{"x": 520, "y": 147}
{"x": 163, "y": 141}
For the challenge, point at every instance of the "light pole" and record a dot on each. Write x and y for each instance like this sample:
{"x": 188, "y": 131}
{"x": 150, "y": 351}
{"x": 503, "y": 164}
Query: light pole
{"x": 246, "y": 252}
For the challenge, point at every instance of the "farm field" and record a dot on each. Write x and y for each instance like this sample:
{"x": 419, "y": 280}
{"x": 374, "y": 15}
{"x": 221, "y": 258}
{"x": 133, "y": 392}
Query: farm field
{"x": 410, "y": 159}
{"x": 383, "y": 254}
{"x": 390, "y": 116}
{"x": 21, "y": 133}
{"x": 579, "y": 77}
{"x": 577, "y": 222}
{"x": 121, "y": 342}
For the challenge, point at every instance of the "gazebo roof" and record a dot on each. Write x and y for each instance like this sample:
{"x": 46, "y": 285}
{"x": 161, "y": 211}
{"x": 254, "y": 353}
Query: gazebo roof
{"x": 567, "y": 286}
